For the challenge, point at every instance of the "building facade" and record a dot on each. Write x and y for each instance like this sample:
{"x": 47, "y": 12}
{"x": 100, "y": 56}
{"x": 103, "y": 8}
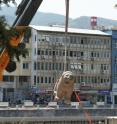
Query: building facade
{"x": 113, "y": 32}
{"x": 87, "y": 55}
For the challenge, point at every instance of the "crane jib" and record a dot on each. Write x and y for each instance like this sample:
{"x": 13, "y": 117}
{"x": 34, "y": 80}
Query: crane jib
{"x": 26, "y": 12}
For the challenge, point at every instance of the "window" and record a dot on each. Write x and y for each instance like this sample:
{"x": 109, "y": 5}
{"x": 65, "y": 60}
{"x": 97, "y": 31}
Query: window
{"x": 46, "y": 52}
{"x": 11, "y": 78}
{"x": 75, "y": 53}
{"x": 35, "y": 65}
{"x": 82, "y": 80}
{"x": 67, "y": 53}
{"x": 71, "y": 53}
{"x": 82, "y": 54}
{"x": 108, "y": 55}
{"x": 8, "y": 78}
{"x": 41, "y": 79}
{"x": 56, "y": 66}
{"x": 63, "y": 52}
{"x": 49, "y": 65}
{"x": 42, "y": 66}
{"x": 101, "y": 80}
{"x": 104, "y": 66}
{"x": 91, "y": 54}
{"x": 23, "y": 79}
{"x": 35, "y": 79}
{"x": 101, "y": 67}
{"x": 49, "y": 79}
{"x": 71, "y": 40}
{"x": 42, "y": 52}
{"x": 92, "y": 66}
{"x": 57, "y": 52}
{"x": 98, "y": 55}
{"x": 50, "y": 52}
{"x": 46, "y": 66}
{"x": 53, "y": 66}
{"x": 38, "y": 66}
{"x": 38, "y": 79}
{"x": 38, "y": 52}
{"x": 82, "y": 66}
{"x": 46, "y": 80}
{"x": 53, "y": 80}
{"x": 53, "y": 53}
{"x": 82, "y": 41}
{"x": 25, "y": 65}
{"x": 43, "y": 39}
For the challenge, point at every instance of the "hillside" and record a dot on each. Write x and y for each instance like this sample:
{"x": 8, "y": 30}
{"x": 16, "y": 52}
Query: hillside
{"x": 52, "y": 19}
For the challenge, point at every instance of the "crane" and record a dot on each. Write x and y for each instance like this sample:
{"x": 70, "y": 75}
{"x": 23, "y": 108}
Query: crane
{"x": 25, "y": 12}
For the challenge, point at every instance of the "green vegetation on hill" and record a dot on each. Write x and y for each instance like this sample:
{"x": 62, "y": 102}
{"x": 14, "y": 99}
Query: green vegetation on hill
{"x": 52, "y": 19}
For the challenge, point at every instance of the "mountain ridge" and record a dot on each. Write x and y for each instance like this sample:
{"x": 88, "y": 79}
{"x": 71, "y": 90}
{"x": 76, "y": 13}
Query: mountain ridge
{"x": 46, "y": 19}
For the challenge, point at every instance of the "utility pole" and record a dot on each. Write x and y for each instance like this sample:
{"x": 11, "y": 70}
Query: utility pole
{"x": 66, "y": 32}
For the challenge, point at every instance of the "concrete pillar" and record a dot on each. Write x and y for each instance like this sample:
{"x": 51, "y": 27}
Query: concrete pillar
{"x": 105, "y": 99}
{"x": 113, "y": 101}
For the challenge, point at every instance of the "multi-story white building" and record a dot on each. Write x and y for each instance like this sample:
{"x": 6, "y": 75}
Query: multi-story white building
{"x": 88, "y": 55}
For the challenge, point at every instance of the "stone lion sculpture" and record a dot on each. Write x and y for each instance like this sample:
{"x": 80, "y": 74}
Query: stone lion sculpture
{"x": 64, "y": 87}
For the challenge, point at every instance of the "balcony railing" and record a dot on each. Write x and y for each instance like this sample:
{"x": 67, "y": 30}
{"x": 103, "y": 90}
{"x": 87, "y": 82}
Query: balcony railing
{"x": 95, "y": 86}
{"x": 7, "y": 84}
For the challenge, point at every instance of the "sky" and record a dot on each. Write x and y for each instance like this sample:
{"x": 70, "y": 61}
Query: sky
{"x": 77, "y": 8}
